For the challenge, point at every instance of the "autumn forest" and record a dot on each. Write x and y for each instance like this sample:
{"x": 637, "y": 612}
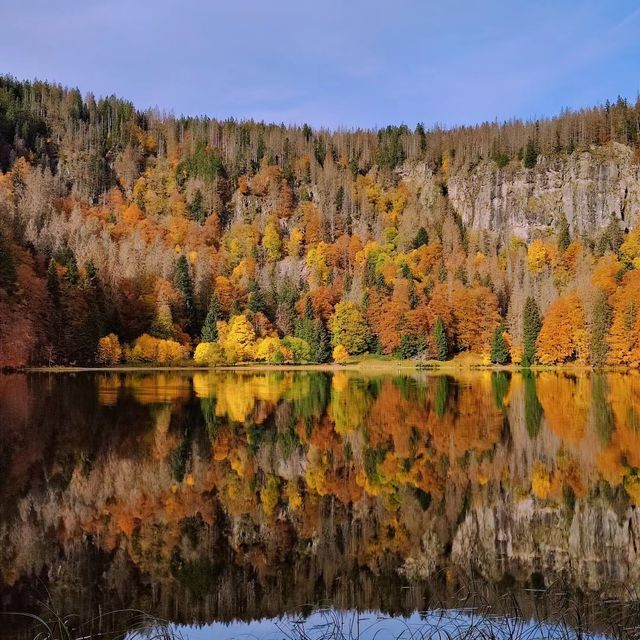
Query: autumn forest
{"x": 141, "y": 237}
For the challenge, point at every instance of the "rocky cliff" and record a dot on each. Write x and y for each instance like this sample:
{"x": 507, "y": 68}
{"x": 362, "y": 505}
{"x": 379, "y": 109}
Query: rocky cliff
{"x": 587, "y": 186}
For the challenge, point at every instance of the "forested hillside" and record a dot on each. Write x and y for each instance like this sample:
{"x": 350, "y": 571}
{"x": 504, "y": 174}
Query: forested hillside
{"x": 146, "y": 237}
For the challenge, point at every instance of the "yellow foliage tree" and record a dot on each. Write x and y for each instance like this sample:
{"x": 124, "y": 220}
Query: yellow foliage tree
{"x": 210, "y": 353}
{"x": 238, "y": 342}
{"x": 272, "y": 243}
{"x": 563, "y": 336}
{"x": 149, "y": 349}
{"x": 349, "y": 328}
{"x": 109, "y": 350}
{"x": 630, "y": 249}
{"x": 539, "y": 256}
{"x": 340, "y": 354}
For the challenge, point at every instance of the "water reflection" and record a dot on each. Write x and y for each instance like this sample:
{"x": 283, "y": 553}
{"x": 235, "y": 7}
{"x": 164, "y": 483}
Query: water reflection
{"x": 219, "y": 495}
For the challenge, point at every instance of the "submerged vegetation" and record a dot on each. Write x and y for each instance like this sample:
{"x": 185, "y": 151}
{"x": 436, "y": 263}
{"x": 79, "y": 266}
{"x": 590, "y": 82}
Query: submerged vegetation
{"x": 140, "y": 237}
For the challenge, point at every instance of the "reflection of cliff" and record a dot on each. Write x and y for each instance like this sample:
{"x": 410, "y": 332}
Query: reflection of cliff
{"x": 225, "y": 494}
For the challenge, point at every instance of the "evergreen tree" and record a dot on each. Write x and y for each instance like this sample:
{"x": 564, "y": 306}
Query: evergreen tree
{"x": 564, "y": 237}
{"x": 499, "y": 349}
{"x": 414, "y": 299}
{"x": 56, "y": 322}
{"x": 409, "y": 346}
{"x": 196, "y": 208}
{"x": 440, "y": 340}
{"x": 422, "y": 238}
{"x": 70, "y": 263}
{"x": 210, "y": 327}
{"x": 530, "y": 154}
{"x": 257, "y": 302}
{"x": 321, "y": 342}
{"x": 599, "y": 329}
{"x": 94, "y": 326}
{"x": 532, "y": 324}
{"x": 53, "y": 283}
{"x": 8, "y": 277}
{"x": 184, "y": 284}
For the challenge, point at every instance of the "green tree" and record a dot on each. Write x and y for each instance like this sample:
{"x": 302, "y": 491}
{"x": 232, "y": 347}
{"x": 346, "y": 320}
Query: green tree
{"x": 440, "y": 340}
{"x": 422, "y": 238}
{"x": 564, "y": 237}
{"x": 320, "y": 343}
{"x": 257, "y": 302}
{"x": 210, "y": 327}
{"x": 532, "y": 323}
{"x": 499, "y": 349}
{"x": 8, "y": 278}
{"x": 530, "y": 154}
{"x": 184, "y": 284}
{"x": 196, "y": 208}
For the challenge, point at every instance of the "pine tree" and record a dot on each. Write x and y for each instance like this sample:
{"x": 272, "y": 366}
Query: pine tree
{"x": 422, "y": 238}
{"x": 321, "y": 343}
{"x": 530, "y": 154}
{"x": 564, "y": 237}
{"x": 532, "y": 324}
{"x": 257, "y": 303}
{"x": 196, "y": 208}
{"x": 69, "y": 261}
{"x": 210, "y": 327}
{"x": 499, "y": 349}
{"x": 440, "y": 340}
{"x": 184, "y": 284}
{"x": 53, "y": 283}
{"x": 94, "y": 326}
{"x": 8, "y": 278}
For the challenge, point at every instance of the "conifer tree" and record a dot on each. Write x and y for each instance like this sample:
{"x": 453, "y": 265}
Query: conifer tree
{"x": 257, "y": 303}
{"x": 532, "y": 324}
{"x": 564, "y": 237}
{"x": 8, "y": 276}
{"x": 440, "y": 340}
{"x": 196, "y": 208}
{"x": 184, "y": 284}
{"x": 321, "y": 342}
{"x": 210, "y": 327}
{"x": 530, "y": 154}
{"x": 499, "y": 349}
{"x": 422, "y": 238}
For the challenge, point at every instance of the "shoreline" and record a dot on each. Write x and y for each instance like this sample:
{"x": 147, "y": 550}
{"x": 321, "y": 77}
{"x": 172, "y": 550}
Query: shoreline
{"x": 364, "y": 366}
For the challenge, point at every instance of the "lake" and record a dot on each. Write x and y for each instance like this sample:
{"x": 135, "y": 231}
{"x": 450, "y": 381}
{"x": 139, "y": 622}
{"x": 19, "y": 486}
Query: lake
{"x": 312, "y": 504}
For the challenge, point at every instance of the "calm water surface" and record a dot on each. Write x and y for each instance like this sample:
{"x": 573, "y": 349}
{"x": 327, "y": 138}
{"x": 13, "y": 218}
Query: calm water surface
{"x": 216, "y": 500}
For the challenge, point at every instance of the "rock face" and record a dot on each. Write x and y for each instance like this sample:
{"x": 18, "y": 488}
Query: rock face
{"x": 594, "y": 546}
{"x": 588, "y": 186}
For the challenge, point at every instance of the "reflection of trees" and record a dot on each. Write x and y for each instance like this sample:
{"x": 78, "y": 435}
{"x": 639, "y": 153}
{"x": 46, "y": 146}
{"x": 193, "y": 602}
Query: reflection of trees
{"x": 532, "y": 408}
{"x": 290, "y": 478}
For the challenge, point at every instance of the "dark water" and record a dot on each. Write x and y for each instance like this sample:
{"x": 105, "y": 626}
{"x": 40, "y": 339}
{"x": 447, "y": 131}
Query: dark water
{"x": 207, "y": 498}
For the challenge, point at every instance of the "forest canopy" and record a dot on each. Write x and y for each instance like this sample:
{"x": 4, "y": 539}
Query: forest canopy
{"x": 136, "y": 235}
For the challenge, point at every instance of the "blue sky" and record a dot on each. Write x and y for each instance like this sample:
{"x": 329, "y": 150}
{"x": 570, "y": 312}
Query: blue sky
{"x": 332, "y": 62}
